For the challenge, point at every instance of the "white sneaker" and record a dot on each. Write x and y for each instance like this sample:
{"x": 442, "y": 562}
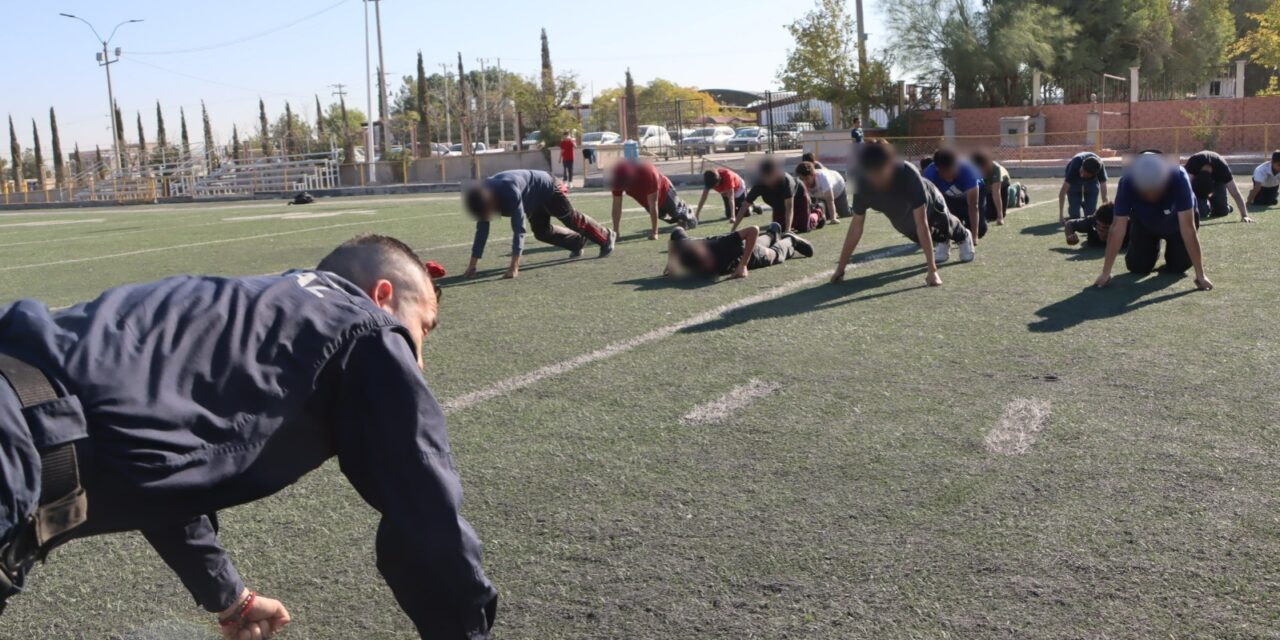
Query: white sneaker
{"x": 941, "y": 252}
{"x": 966, "y": 247}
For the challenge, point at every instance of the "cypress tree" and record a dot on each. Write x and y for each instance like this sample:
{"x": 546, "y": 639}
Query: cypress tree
{"x": 186, "y": 142}
{"x": 102, "y": 166}
{"x": 75, "y": 159}
{"x": 142, "y": 143}
{"x": 319, "y": 122}
{"x": 235, "y": 143}
{"x": 209, "y": 156}
{"x": 120, "y": 136}
{"x": 265, "y": 133}
{"x": 59, "y": 172}
{"x": 15, "y": 152}
{"x": 162, "y": 137}
{"x": 288, "y": 129}
{"x": 633, "y": 127}
{"x": 424, "y": 125}
{"x": 35, "y": 137}
{"x": 548, "y": 78}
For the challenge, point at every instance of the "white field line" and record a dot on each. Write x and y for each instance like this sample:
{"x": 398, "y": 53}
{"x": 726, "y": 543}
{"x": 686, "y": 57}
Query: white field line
{"x": 51, "y": 223}
{"x": 191, "y": 245}
{"x": 1018, "y": 427}
{"x": 721, "y": 408}
{"x": 504, "y": 387}
{"x": 298, "y": 215}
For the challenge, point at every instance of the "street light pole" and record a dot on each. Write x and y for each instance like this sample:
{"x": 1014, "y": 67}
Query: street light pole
{"x": 384, "y": 112}
{"x": 368, "y": 90}
{"x": 105, "y": 62}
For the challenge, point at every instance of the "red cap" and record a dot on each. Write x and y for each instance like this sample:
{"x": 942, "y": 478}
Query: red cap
{"x": 435, "y": 270}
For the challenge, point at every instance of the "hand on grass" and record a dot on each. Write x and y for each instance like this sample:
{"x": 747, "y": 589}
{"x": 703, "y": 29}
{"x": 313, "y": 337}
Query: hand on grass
{"x": 653, "y": 235}
{"x": 263, "y": 620}
{"x": 1102, "y": 281}
{"x": 1203, "y": 283}
{"x": 838, "y": 276}
{"x": 740, "y": 273}
{"x": 469, "y": 273}
{"x": 1246, "y": 219}
{"x": 934, "y": 279}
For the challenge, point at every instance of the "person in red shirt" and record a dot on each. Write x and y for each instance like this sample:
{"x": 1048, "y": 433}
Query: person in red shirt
{"x": 729, "y": 185}
{"x": 567, "y": 147}
{"x": 644, "y": 183}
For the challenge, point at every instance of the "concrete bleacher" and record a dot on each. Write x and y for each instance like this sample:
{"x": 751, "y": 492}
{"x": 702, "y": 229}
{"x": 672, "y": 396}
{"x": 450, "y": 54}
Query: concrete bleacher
{"x": 274, "y": 174}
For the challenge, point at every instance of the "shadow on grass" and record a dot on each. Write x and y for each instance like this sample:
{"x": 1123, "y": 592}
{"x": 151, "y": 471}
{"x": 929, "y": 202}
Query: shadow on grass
{"x": 816, "y": 298}
{"x": 1123, "y": 295}
{"x": 1046, "y": 229}
{"x": 659, "y": 283}
{"x": 1080, "y": 253}
{"x": 486, "y": 275}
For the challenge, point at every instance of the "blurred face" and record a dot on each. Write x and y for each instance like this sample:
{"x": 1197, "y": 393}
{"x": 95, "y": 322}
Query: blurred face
{"x": 810, "y": 181}
{"x": 1086, "y": 175}
{"x": 417, "y": 310}
{"x": 771, "y": 178}
{"x": 949, "y": 173}
{"x": 1275, "y": 168}
{"x": 1152, "y": 195}
{"x": 881, "y": 178}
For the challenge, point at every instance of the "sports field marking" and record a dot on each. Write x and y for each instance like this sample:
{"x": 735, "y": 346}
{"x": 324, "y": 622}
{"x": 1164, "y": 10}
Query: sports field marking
{"x": 504, "y": 387}
{"x": 735, "y": 400}
{"x": 304, "y": 216}
{"x": 1023, "y": 419}
{"x": 51, "y": 223}
{"x": 192, "y": 245}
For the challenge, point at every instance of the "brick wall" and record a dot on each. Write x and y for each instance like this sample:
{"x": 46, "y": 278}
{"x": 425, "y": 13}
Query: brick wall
{"x": 1166, "y": 127}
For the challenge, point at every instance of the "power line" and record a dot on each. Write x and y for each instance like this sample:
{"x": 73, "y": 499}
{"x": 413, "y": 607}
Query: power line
{"x": 214, "y": 82}
{"x": 243, "y": 39}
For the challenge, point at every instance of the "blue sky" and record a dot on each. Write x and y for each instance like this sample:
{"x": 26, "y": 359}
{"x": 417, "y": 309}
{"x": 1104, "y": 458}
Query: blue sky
{"x": 737, "y": 45}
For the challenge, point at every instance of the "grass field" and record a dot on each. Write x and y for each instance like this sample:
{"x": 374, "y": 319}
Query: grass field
{"x": 856, "y": 497}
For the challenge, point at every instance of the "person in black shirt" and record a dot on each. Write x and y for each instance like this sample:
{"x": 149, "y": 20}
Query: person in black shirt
{"x": 1096, "y": 227}
{"x": 785, "y": 195}
{"x": 1211, "y": 180}
{"x": 732, "y": 254}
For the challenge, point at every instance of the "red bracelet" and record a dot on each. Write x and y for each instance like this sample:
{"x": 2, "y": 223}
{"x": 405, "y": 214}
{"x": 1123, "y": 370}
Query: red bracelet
{"x": 237, "y": 619}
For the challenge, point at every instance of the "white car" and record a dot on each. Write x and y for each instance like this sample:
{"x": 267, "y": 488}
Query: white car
{"x": 477, "y": 147}
{"x": 707, "y": 140}
{"x": 531, "y": 141}
{"x": 654, "y": 138}
{"x": 597, "y": 138}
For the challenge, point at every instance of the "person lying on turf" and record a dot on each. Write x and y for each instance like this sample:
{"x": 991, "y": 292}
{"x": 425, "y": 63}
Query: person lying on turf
{"x": 730, "y": 186}
{"x": 1154, "y": 204}
{"x": 732, "y": 254}
{"x": 535, "y": 196}
{"x": 1266, "y": 182}
{"x": 915, "y": 207}
{"x": 1211, "y": 180}
{"x": 654, "y": 191}
{"x": 1085, "y": 178}
{"x": 1095, "y": 227}
{"x": 961, "y": 184}
{"x": 785, "y": 195}
{"x": 827, "y": 187}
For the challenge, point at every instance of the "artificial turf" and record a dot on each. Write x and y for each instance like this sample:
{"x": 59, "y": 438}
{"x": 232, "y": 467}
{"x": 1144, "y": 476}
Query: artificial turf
{"x": 855, "y": 501}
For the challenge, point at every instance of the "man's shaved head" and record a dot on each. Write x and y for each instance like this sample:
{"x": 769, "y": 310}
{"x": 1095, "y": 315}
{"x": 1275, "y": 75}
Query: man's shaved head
{"x": 393, "y": 276}
{"x": 366, "y": 259}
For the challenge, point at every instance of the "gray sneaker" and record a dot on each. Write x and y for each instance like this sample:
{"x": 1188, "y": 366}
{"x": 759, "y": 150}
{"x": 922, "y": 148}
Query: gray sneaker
{"x": 607, "y": 248}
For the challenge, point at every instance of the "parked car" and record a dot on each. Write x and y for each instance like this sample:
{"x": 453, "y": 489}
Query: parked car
{"x": 678, "y": 135}
{"x": 654, "y": 138}
{"x": 749, "y": 139}
{"x": 597, "y": 138}
{"x": 439, "y": 148}
{"x": 477, "y": 147}
{"x": 531, "y": 141}
{"x": 707, "y": 140}
{"x": 787, "y": 136}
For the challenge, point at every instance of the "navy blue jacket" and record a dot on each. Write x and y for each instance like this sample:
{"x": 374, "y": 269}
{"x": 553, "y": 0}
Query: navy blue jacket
{"x": 198, "y": 394}
{"x": 519, "y": 192}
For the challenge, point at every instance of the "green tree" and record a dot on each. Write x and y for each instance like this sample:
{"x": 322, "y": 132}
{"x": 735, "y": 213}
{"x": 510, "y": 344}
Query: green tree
{"x": 821, "y": 65}
{"x": 344, "y": 121}
{"x": 186, "y": 141}
{"x": 547, "y": 78}
{"x": 162, "y": 138}
{"x": 121, "y": 149}
{"x": 59, "y": 171}
{"x": 1204, "y": 31}
{"x": 290, "y": 129}
{"x": 320, "y": 133}
{"x": 37, "y": 157}
{"x": 15, "y": 154}
{"x": 235, "y": 144}
{"x": 629, "y": 92}
{"x": 424, "y": 119}
{"x": 102, "y": 164}
{"x": 1262, "y": 44}
{"x": 142, "y": 142}
{"x": 264, "y": 129}
{"x": 76, "y": 163}
{"x": 210, "y": 156}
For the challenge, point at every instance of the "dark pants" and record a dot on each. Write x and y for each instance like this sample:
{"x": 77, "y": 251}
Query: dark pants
{"x": 960, "y": 207}
{"x": 1144, "y": 250}
{"x": 1088, "y": 225}
{"x": 770, "y": 250}
{"x": 580, "y": 227}
{"x": 842, "y": 205}
{"x": 568, "y": 169}
{"x": 1082, "y": 199}
{"x": 943, "y": 227}
{"x": 732, "y": 203}
{"x": 1267, "y": 196}
{"x": 1216, "y": 205}
{"x": 675, "y": 211}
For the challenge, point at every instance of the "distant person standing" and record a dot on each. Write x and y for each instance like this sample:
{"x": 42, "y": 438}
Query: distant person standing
{"x": 856, "y": 131}
{"x": 567, "y": 146}
{"x": 1266, "y": 182}
{"x": 1085, "y": 178}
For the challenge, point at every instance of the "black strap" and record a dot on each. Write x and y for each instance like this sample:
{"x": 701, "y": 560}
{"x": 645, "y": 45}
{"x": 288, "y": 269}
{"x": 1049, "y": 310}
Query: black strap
{"x": 28, "y": 382}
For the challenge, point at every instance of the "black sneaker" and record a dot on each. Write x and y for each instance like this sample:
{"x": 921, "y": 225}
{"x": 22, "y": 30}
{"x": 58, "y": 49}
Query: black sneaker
{"x": 607, "y": 248}
{"x": 802, "y": 246}
{"x": 757, "y": 209}
{"x": 576, "y": 253}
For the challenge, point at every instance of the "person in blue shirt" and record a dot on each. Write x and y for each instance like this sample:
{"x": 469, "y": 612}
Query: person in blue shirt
{"x": 1155, "y": 205}
{"x": 1085, "y": 178}
{"x": 962, "y": 185}
{"x": 856, "y": 132}
{"x": 536, "y": 197}
{"x": 191, "y": 395}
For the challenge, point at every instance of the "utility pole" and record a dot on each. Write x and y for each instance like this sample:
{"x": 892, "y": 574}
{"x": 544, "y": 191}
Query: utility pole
{"x": 862, "y": 58}
{"x": 342, "y": 108}
{"x": 384, "y": 114}
{"x": 502, "y": 106}
{"x": 368, "y": 84}
{"x": 484, "y": 98}
{"x": 105, "y": 61}
{"x": 448, "y": 108}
